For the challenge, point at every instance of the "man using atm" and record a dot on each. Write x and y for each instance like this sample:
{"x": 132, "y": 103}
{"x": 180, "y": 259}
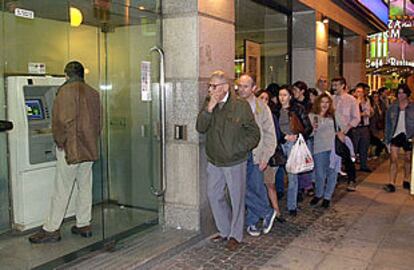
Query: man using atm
{"x": 76, "y": 126}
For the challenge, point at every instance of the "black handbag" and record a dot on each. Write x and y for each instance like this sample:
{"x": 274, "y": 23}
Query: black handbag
{"x": 340, "y": 147}
{"x": 279, "y": 158}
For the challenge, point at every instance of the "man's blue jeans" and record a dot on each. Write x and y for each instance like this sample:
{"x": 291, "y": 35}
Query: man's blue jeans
{"x": 325, "y": 177}
{"x": 292, "y": 194}
{"x": 257, "y": 201}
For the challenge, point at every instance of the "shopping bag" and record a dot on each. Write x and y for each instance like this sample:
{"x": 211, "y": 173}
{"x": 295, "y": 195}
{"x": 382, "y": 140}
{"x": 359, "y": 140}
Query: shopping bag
{"x": 300, "y": 158}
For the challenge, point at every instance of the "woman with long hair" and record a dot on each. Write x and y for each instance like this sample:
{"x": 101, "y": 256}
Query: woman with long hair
{"x": 399, "y": 131}
{"x": 322, "y": 119}
{"x": 272, "y": 94}
{"x": 292, "y": 119}
{"x": 377, "y": 123}
{"x": 269, "y": 173}
{"x": 302, "y": 96}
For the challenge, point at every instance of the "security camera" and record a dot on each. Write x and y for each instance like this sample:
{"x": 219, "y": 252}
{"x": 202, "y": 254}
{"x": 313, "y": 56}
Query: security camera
{"x": 5, "y": 125}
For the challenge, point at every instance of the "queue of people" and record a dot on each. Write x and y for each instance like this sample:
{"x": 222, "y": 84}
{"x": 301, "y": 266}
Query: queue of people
{"x": 250, "y": 134}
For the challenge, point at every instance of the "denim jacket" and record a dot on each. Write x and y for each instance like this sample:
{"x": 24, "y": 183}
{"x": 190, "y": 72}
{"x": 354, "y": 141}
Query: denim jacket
{"x": 391, "y": 121}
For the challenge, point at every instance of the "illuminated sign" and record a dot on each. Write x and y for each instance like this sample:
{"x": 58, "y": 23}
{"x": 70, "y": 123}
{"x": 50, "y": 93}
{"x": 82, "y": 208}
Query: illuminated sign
{"x": 392, "y": 61}
{"x": 378, "y": 44}
{"x": 378, "y": 8}
{"x": 395, "y": 26}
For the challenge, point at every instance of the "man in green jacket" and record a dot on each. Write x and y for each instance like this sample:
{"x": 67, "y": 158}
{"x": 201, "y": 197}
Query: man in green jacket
{"x": 231, "y": 133}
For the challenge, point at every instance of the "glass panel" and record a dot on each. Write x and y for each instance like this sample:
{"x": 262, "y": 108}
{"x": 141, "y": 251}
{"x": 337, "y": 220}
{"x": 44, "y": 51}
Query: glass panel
{"x": 112, "y": 39}
{"x": 266, "y": 30}
{"x": 334, "y": 54}
{"x": 42, "y": 39}
{"x": 132, "y": 118}
{"x": 48, "y": 40}
{"x": 4, "y": 188}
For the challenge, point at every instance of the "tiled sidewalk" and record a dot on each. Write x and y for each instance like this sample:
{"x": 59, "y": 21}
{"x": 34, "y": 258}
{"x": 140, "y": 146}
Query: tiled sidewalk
{"x": 367, "y": 229}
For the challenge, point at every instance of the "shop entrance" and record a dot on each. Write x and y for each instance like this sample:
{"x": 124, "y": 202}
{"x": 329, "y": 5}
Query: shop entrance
{"x": 116, "y": 41}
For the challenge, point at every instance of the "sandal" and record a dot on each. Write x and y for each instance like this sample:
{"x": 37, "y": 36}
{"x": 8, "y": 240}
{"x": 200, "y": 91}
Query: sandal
{"x": 389, "y": 188}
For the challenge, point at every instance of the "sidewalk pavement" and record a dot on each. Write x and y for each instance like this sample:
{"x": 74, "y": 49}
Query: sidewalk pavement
{"x": 366, "y": 229}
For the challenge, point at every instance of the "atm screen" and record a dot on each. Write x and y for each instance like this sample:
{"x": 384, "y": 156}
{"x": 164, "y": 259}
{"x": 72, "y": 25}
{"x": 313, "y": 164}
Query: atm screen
{"x": 34, "y": 109}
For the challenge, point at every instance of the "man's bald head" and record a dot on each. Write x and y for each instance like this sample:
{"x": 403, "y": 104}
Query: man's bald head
{"x": 246, "y": 86}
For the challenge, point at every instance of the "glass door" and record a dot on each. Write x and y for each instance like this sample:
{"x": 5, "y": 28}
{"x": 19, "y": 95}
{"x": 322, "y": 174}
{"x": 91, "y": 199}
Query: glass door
{"x": 130, "y": 94}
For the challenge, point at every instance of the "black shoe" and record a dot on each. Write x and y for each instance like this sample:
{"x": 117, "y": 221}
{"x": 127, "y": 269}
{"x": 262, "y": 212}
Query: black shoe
{"x": 326, "y": 203}
{"x": 218, "y": 239}
{"x": 293, "y": 213}
{"x": 280, "y": 195}
{"x": 314, "y": 201}
{"x": 280, "y": 218}
{"x": 310, "y": 192}
{"x": 300, "y": 197}
{"x": 351, "y": 187}
{"x": 406, "y": 185}
{"x": 43, "y": 236}
{"x": 82, "y": 231}
{"x": 368, "y": 170}
{"x": 389, "y": 188}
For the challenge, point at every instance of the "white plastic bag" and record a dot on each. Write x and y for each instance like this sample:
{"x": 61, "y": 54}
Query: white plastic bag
{"x": 300, "y": 158}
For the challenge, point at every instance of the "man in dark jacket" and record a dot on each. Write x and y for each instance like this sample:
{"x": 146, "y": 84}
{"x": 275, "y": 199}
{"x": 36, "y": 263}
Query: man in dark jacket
{"x": 76, "y": 125}
{"x": 231, "y": 133}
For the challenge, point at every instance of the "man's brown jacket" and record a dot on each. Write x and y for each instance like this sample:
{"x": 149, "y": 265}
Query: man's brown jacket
{"x": 76, "y": 121}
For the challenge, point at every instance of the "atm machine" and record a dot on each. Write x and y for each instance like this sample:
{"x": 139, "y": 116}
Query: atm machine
{"x": 32, "y": 149}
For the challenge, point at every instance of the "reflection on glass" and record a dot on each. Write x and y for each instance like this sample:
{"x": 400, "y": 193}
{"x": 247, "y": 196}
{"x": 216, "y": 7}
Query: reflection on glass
{"x": 132, "y": 145}
{"x": 111, "y": 42}
{"x": 334, "y": 56}
{"x": 269, "y": 30}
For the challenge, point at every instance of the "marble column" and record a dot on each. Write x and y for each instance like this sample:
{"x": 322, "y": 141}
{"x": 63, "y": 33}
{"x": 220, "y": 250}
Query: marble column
{"x": 309, "y": 47}
{"x": 198, "y": 38}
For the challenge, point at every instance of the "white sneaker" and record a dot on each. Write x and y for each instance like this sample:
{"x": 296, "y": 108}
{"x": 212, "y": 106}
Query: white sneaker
{"x": 253, "y": 230}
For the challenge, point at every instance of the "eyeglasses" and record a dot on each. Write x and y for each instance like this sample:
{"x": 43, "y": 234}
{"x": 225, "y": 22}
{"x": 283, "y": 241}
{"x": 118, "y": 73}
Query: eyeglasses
{"x": 214, "y": 86}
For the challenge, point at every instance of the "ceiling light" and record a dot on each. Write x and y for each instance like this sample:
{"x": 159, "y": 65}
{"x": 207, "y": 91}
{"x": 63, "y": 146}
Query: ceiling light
{"x": 76, "y": 17}
{"x": 325, "y": 20}
{"x": 141, "y": 8}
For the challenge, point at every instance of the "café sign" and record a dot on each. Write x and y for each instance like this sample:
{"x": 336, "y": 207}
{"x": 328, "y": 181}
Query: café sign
{"x": 392, "y": 61}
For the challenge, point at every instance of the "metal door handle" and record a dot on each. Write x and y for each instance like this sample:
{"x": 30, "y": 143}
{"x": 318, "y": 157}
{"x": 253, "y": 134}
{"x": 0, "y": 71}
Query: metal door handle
{"x": 163, "y": 184}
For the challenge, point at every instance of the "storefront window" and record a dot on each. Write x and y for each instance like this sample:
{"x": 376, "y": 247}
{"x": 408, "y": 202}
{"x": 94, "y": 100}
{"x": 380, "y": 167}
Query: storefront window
{"x": 261, "y": 43}
{"x": 335, "y": 48}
